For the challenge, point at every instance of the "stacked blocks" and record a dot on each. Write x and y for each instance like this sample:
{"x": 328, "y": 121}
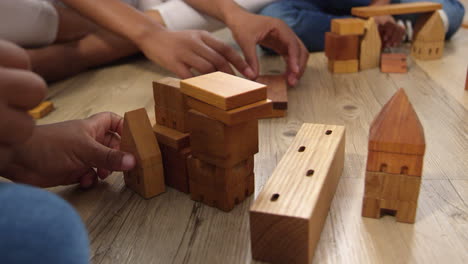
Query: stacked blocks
{"x": 394, "y": 63}
{"x": 223, "y": 130}
{"x": 395, "y": 161}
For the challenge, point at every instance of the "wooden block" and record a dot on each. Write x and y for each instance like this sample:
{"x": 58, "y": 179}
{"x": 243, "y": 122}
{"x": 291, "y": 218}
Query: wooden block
{"x": 341, "y": 47}
{"x": 172, "y": 119}
{"x": 347, "y": 26}
{"x": 390, "y": 187}
{"x": 427, "y": 50}
{"x": 147, "y": 178}
{"x": 235, "y": 116}
{"x": 171, "y": 137}
{"x": 175, "y": 167}
{"x": 41, "y": 110}
{"x": 397, "y": 128}
{"x": 170, "y": 105}
{"x": 466, "y": 82}
{"x": 347, "y": 66}
{"x": 276, "y": 114}
{"x": 371, "y": 46}
{"x": 395, "y": 9}
{"x": 370, "y": 207}
{"x": 394, "y": 63}
{"x": 389, "y": 205}
{"x": 223, "y": 90}
{"x": 409, "y": 188}
{"x": 429, "y": 28}
{"x": 288, "y": 216}
{"x": 219, "y": 144}
{"x": 395, "y": 163}
{"x": 373, "y": 185}
{"x": 277, "y": 90}
{"x": 406, "y": 212}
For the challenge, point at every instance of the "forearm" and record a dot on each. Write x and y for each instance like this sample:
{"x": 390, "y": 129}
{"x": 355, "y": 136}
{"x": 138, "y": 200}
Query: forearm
{"x": 223, "y": 10}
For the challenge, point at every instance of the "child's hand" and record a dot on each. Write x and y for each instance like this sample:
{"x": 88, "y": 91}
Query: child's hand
{"x": 20, "y": 90}
{"x": 71, "y": 152}
{"x": 391, "y": 32}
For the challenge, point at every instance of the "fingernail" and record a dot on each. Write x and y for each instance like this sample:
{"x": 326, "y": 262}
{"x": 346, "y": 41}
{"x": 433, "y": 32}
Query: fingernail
{"x": 128, "y": 162}
{"x": 249, "y": 73}
{"x": 296, "y": 68}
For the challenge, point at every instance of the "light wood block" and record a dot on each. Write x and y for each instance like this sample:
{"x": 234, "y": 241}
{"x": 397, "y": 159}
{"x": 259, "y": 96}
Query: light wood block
{"x": 347, "y": 26}
{"x": 406, "y": 212}
{"x": 409, "y": 188}
{"x": 394, "y": 63}
{"x": 341, "y": 47}
{"x": 427, "y": 50}
{"x": 395, "y": 163}
{"x": 171, "y": 137}
{"x": 287, "y": 218}
{"x": 219, "y": 144}
{"x": 170, "y": 105}
{"x": 277, "y": 90}
{"x": 175, "y": 167}
{"x": 371, "y": 46}
{"x": 397, "y": 128}
{"x": 147, "y": 178}
{"x": 235, "y": 116}
{"x": 395, "y": 9}
{"x": 347, "y": 66}
{"x": 276, "y": 113}
{"x": 429, "y": 28}
{"x": 223, "y": 90}
{"x": 41, "y": 110}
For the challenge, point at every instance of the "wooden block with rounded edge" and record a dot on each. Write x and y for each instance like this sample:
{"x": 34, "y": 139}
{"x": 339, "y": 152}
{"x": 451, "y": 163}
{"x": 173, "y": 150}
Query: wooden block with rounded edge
{"x": 371, "y": 46}
{"x": 235, "y": 116}
{"x": 223, "y": 90}
{"x": 171, "y": 137}
{"x": 277, "y": 90}
{"x": 395, "y": 163}
{"x": 347, "y": 26}
{"x": 394, "y": 63}
{"x": 219, "y": 144}
{"x": 341, "y": 47}
{"x": 287, "y": 218}
{"x": 41, "y": 110}
{"x": 147, "y": 178}
{"x": 175, "y": 167}
{"x": 427, "y": 50}
{"x": 395, "y": 9}
{"x": 346, "y": 66}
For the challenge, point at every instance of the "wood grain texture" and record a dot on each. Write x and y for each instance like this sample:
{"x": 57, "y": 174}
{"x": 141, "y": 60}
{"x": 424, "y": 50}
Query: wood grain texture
{"x": 395, "y": 9}
{"x": 41, "y": 110}
{"x": 223, "y": 90}
{"x": 347, "y": 26}
{"x": 345, "y": 66}
{"x": 170, "y": 106}
{"x": 235, "y": 116}
{"x": 175, "y": 167}
{"x": 277, "y": 90}
{"x": 171, "y": 137}
{"x": 371, "y": 46}
{"x": 287, "y": 217}
{"x": 341, "y": 47}
{"x": 393, "y": 63}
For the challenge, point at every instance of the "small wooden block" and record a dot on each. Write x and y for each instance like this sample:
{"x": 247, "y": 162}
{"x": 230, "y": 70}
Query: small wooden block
{"x": 371, "y": 46}
{"x": 394, "y": 63}
{"x": 175, "y": 167}
{"x": 406, "y": 212}
{"x": 347, "y": 66}
{"x": 341, "y": 47}
{"x": 288, "y": 216}
{"x": 395, "y": 163}
{"x": 235, "y": 116}
{"x": 223, "y": 90}
{"x": 409, "y": 188}
{"x": 172, "y": 119}
{"x": 147, "y": 178}
{"x": 347, "y": 26}
{"x": 171, "y": 137}
{"x": 277, "y": 90}
{"x": 170, "y": 105}
{"x": 395, "y": 9}
{"x": 276, "y": 114}
{"x": 41, "y": 110}
{"x": 371, "y": 207}
{"x": 429, "y": 28}
{"x": 219, "y": 144}
{"x": 427, "y": 50}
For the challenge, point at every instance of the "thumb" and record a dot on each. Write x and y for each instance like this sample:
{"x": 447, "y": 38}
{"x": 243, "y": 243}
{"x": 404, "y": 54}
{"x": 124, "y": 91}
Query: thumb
{"x": 103, "y": 157}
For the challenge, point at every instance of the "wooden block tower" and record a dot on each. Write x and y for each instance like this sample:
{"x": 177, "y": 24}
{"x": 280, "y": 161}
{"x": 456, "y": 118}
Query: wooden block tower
{"x": 223, "y": 130}
{"x": 395, "y": 161}
{"x": 170, "y": 130}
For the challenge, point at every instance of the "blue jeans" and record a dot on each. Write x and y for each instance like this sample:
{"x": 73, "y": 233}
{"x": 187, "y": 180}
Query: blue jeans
{"x": 39, "y": 227}
{"x": 310, "y": 19}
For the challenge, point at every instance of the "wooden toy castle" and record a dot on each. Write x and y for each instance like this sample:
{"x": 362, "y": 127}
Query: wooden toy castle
{"x": 395, "y": 161}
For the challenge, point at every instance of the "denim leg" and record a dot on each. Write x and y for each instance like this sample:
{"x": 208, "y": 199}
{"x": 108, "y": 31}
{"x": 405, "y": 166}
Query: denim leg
{"x": 453, "y": 8}
{"x": 39, "y": 227}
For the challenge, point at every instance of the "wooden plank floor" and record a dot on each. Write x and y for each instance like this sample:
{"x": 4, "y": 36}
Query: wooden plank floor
{"x": 123, "y": 228}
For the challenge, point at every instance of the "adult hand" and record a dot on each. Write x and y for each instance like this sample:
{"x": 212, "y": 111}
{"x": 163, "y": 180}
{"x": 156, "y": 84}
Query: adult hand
{"x": 391, "y": 32}
{"x": 181, "y": 51}
{"x": 250, "y": 29}
{"x": 70, "y": 152}
{"x": 20, "y": 90}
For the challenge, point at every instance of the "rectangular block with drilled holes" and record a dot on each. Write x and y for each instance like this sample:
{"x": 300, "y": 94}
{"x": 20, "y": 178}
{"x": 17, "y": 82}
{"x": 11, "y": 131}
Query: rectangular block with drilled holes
{"x": 235, "y": 116}
{"x": 41, "y": 110}
{"x": 147, "y": 178}
{"x": 427, "y": 50}
{"x": 395, "y": 9}
{"x": 223, "y": 90}
{"x": 219, "y": 144}
{"x": 277, "y": 90}
{"x": 171, "y": 137}
{"x": 394, "y": 63}
{"x": 341, "y": 47}
{"x": 345, "y": 66}
{"x": 287, "y": 218}
{"x": 170, "y": 105}
{"x": 348, "y": 26}
{"x": 175, "y": 167}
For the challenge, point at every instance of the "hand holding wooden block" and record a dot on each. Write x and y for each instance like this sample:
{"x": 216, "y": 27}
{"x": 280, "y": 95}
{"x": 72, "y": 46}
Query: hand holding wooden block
{"x": 41, "y": 110}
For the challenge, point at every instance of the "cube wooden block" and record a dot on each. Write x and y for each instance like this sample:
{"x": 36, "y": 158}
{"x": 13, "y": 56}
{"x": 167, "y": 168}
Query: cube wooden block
{"x": 175, "y": 167}
{"x": 395, "y": 163}
{"x": 277, "y": 90}
{"x": 341, "y": 47}
{"x": 170, "y": 105}
{"x": 223, "y": 90}
{"x": 171, "y": 137}
{"x": 394, "y": 63}
{"x": 427, "y": 50}
{"x": 235, "y": 116}
{"x": 346, "y": 66}
{"x": 41, "y": 110}
{"x": 172, "y": 119}
{"x": 219, "y": 144}
{"x": 348, "y": 26}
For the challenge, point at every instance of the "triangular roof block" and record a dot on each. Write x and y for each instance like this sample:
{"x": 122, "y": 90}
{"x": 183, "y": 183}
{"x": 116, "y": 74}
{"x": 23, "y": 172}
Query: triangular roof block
{"x": 429, "y": 28}
{"x": 138, "y": 138}
{"x": 397, "y": 128}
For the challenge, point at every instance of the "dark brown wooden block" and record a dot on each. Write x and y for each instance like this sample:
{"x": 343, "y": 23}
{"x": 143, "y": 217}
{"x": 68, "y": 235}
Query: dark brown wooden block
{"x": 341, "y": 47}
{"x": 175, "y": 167}
{"x": 171, "y": 137}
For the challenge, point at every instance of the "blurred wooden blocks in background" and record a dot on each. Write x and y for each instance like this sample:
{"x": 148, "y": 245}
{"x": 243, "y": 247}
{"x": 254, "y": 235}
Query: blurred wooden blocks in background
{"x": 348, "y": 26}
{"x": 341, "y": 47}
{"x": 395, "y": 9}
{"x": 277, "y": 90}
{"x": 394, "y": 63}
{"x": 171, "y": 137}
{"x": 371, "y": 46}
{"x": 347, "y": 66}
{"x": 41, "y": 110}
